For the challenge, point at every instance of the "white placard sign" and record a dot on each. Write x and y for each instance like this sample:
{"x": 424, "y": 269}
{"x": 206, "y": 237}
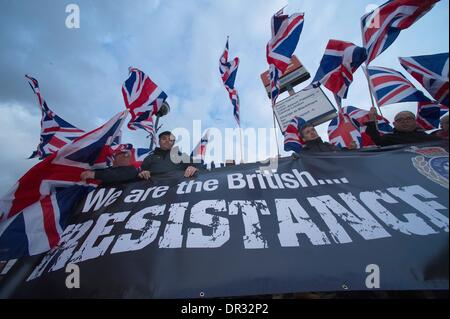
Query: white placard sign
{"x": 312, "y": 105}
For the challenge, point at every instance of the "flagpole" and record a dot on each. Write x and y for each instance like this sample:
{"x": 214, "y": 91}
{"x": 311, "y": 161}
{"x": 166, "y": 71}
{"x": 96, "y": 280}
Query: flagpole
{"x": 275, "y": 131}
{"x": 242, "y": 149}
{"x": 370, "y": 89}
{"x": 152, "y": 138}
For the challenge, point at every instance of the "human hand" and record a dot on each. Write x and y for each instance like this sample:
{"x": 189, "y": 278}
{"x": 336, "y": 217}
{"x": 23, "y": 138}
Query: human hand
{"x": 373, "y": 114}
{"x": 87, "y": 175}
{"x": 190, "y": 171}
{"x": 144, "y": 175}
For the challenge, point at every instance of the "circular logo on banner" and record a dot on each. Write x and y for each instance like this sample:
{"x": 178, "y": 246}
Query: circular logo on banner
{"x": 432, "y": 163}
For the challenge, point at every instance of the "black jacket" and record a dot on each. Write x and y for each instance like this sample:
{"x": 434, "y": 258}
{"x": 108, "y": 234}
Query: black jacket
{"x": 121, "y": 174}
{"x": 318, "y": 145}
{"x": 159, "y": 162}
{"x": 397, "y": 137}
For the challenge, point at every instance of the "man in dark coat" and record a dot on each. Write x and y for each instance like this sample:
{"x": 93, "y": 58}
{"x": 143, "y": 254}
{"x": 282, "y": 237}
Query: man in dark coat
{"x": 405, "y": 130}
{"x": 313, "y": 142}
{"x": 166, "y": 158}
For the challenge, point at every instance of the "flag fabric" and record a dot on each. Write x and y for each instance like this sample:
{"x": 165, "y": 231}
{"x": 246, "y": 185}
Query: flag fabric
{"x": 145, "y": 122}
{"x": 431, "y": 71}
{"x": 292, "y": 139}
{"x": 139, "y": 154}
{"x": 429, "y": 114}
{"x": 382, "y": 26}
{"x": 143, "y": 98}
{"x": 390, "y": 86}
{"x": 286, "y": 32}
{"x": 199, "y": 152}
{"x": 228, "y": 71}
{"x": 55, "y": 132}
{"x": 339, "y": 62}
{"x": 34, "y": 213}
{"x": 342, "y": 132}
{"x": 360, "y": 117}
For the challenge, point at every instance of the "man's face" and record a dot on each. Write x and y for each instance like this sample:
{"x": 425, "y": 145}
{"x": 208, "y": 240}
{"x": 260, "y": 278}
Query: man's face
{"x": 309, "y": 133}
{"x": 405, "y": 122}
{"x": 122, "y": 159}
{"x": 166, "y": 142}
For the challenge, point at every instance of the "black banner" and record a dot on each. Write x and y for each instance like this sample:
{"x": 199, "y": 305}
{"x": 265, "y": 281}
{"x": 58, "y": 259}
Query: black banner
{"x": 321, "y": 222}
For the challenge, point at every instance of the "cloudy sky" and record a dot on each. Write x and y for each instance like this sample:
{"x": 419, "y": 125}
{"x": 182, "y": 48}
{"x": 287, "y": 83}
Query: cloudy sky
{"x": 178, "y": 43}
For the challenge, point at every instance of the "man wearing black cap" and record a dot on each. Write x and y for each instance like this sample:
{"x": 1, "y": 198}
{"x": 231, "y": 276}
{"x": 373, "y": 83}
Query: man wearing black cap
{"x": 166, "y": 158}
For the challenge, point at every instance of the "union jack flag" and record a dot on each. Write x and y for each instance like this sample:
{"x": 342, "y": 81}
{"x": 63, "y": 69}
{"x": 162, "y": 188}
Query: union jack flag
{"x": 55, "y": 132}
{"x": 429, "y": 114}
{"x": 35, "y": 211}
{"x": 390, "y": 86}
{"x": 382, "y": 26}
{"x": 292, "y": 140}
{"x": 342, "y": 132}
{"x": 432, "y": 72}
{"x": 339, "y": 62}
{"x": 360, "y": 117}
{"x": 139, "y": 154}
{"x": 143, "y": 98}
{"x": 286, "y": 32}
{"x": 228, "y": 71}
{"x": 199, "y": 152}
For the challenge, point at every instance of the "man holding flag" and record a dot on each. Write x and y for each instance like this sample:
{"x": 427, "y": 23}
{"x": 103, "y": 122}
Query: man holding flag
{"x": 405, "y": 130}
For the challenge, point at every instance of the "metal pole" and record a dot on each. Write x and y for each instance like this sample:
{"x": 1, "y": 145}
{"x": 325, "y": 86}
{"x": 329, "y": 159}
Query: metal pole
{"x": 242, "y": 149}
{"x": 275, "y": 131}
{"x": 156, "y": 131}
{"x": 370, "y": 89}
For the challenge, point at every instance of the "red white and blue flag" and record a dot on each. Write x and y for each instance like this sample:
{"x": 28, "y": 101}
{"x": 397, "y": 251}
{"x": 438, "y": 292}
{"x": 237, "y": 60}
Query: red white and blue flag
{"x": 382, "y": 26}
{"x": 429, "y": 114}
{"x": 143, "y": 98}
{"x": 342, "y": 132}
{"x": 55, "y": 132}
{"x": 199, "y": 152}
{"x": 292, "y": 140}
{"x": 360, "y": 117}
{"x": 286, "y": 32}
{"x": 228, "y": 71}
{"x": 35, "y": 211}
{"x": 339, "y": 62}
{"x": 431, "y": 71}
{"x": 390, "y": 86}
